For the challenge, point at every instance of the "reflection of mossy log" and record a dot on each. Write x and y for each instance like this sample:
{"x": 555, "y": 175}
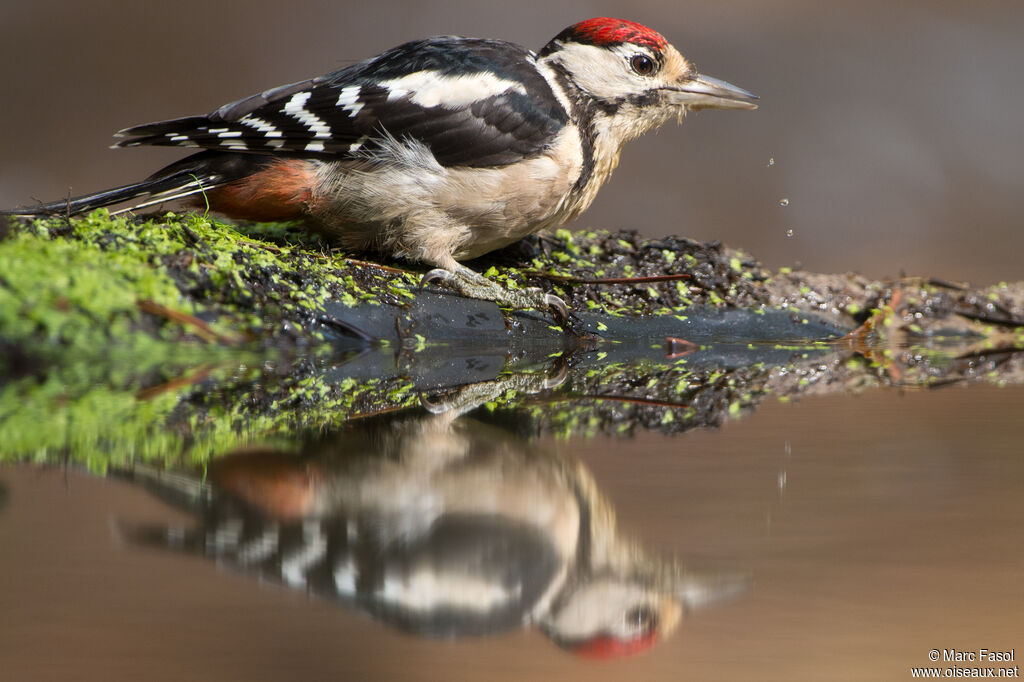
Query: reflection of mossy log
{"x": 180, "y": 335}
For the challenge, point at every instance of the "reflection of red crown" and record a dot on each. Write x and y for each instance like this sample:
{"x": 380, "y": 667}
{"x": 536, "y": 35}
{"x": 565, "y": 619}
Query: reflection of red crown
{"x": 606, "y": 646}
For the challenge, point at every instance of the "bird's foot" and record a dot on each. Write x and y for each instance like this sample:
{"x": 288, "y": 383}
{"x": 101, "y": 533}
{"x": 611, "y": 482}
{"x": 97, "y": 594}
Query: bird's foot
{"x": 462, "y": 399}
{"x": 474, "y": 285}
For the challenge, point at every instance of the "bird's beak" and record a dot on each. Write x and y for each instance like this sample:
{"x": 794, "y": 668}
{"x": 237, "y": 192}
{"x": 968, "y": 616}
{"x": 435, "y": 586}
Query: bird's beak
{"x": 705, "y": 92}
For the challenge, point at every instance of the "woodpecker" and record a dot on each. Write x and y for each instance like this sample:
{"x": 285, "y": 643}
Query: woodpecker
{"x": 438, "y": 526}
{"x": 435, "y": 151}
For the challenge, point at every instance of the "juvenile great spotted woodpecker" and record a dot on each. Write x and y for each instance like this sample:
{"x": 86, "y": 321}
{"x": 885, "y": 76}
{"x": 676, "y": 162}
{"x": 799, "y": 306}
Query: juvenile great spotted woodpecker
{"x": 441, "y": 527}
{"x": 436, "y": 151}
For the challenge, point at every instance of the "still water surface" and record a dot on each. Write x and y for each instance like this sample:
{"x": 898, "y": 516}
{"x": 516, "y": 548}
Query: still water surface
{"x": 866, "y": 530}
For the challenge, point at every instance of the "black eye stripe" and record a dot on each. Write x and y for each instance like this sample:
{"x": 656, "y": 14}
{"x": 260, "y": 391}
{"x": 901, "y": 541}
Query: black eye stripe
{"x": 642, "y": 64}
{"x": 643, "y": 618}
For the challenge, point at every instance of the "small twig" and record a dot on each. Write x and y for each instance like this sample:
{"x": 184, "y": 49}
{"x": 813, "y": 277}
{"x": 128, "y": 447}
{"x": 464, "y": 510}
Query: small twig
{"x": 187, "y": 380}
{"x": 677, "y": 348}
{"x": 201, "y": 328}
{"x": 377, "y": 266}
{"x": 383, "y": 410}
{"x": 999, "y": 356}
{"x": 611, "y": 398}
{"x": 607, "y": 280}
{"x": 946, "y": 284}
{"x": 190, "y": 237}
{"x": 348, "y": 328}
{"x": 1009, "y": 321}
{"x": 630, "y": 399}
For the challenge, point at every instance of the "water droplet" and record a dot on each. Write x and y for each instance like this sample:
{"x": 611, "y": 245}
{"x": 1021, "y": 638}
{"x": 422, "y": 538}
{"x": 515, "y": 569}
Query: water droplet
{"x": 789, "y": 232}
{"x": 783, "y": 202}
{"x": 771, "y": 162}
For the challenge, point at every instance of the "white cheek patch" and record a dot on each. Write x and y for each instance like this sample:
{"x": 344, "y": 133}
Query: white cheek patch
{"x": 428, "y": 89}
{"x": 602, "y": 72}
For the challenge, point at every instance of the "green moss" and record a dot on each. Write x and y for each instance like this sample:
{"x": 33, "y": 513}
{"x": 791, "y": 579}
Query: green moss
{"x": 82, "y": 282}
{"x": 95, "y": 414}
{"x": 72, "y": 294}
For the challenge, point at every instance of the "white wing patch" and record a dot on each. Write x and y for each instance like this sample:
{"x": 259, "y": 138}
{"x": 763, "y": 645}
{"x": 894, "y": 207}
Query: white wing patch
{"x": 296, "y": 109}
{"x": 225, "y": 537}
{"x": 314, "y": 546}
{"x": 425, "y": 590}
{"x": 259, "y": 124}
{"x": 348, "y": 99}
{"x": 427, "y": 89}
{"x": 354, "y": 147}
{"x": 258, "y": 549}
{"x": 345, "y": 578}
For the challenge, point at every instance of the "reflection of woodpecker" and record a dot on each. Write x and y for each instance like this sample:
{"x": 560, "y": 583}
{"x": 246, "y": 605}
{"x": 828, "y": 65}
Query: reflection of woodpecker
{"x": 443, "y": 527}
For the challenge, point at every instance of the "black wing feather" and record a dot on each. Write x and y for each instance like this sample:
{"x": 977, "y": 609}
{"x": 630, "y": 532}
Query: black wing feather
{"x": 307, "y": 117}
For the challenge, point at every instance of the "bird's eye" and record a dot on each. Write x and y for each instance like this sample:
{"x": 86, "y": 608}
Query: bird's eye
{"x": 642, "y": 64}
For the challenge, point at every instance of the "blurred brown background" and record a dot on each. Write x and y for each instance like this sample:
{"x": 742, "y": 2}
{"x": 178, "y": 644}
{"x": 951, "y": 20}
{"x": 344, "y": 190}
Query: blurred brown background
{"x": 895, "y": 127}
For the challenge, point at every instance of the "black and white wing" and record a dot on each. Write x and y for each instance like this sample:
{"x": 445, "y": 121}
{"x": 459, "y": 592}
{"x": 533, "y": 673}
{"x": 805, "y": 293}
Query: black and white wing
{"x": 472, "y": 102}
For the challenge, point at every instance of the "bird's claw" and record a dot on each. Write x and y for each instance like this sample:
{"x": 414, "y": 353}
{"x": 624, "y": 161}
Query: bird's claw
{"x": 439, "y": 275}
{"x": 434, "y": 404}
{"x": 557, "y": 307}
{"x": 561, "y": 372}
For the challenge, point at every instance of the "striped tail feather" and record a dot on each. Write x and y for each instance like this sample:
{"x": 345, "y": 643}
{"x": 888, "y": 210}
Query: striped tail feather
{"x": 190, "y": 176}
{"x": 158, "y": 191}
{"x": 161, "y": 132}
